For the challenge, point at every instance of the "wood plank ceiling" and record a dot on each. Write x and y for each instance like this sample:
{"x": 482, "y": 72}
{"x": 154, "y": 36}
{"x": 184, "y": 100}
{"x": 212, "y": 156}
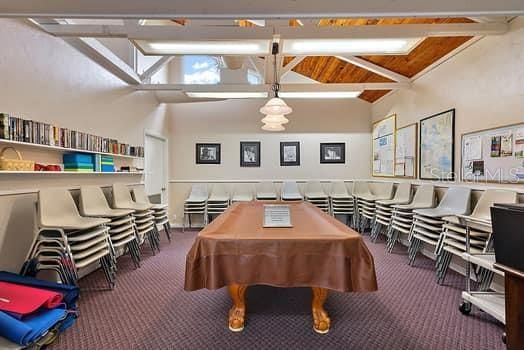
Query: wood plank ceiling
{"x": 329, "y": 69}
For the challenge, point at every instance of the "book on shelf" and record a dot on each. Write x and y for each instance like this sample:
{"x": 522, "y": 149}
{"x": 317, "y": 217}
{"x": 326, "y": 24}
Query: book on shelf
{"x": 16, "y": 128}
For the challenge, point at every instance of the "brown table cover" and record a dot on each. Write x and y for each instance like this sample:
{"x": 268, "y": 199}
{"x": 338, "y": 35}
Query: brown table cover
{"x": 318, "y": 251}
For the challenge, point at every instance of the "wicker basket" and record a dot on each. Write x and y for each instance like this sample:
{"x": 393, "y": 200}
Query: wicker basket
{"x": 15, "y": 164}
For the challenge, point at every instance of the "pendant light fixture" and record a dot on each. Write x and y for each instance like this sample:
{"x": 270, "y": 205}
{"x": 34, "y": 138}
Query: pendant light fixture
{"x": 276, "y": 108}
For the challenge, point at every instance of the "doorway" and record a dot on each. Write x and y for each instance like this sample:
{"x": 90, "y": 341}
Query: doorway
{"x": 155, "y": 154}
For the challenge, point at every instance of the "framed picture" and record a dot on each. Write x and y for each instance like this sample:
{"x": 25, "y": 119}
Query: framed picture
{"x": 333, "y": 152}
{"x": 384, "y": 146}
{"x": 208, "y": 153}
{"x": 250, "y": 154}
{"x": 289, "y": 153}
{"x": 406, "y": 151}
{"x": 437, "y": 146}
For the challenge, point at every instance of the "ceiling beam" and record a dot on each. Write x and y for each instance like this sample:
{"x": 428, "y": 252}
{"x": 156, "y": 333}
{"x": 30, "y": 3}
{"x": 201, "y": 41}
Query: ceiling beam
{"x": 257, "y": 64}
{"x": 266, "y": 33}
{"x": 155, "y": 67}
{"x": 357, "y": 61}
{"x": 292, "y": 64}
{"x": 258, "y": 9}
{"x": 267, "y": 87}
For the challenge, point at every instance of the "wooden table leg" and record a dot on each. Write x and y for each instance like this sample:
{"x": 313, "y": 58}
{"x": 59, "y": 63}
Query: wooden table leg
{"x": 321, "y": 320}
{"x": 238, "y": 310}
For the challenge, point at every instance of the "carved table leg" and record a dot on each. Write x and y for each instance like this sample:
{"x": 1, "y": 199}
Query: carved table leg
{"x": 238, "y": 311}
{"x": 321, "y": 321}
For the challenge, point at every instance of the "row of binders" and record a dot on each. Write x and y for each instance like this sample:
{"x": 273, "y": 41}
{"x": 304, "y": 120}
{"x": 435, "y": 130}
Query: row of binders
{"x": 19, "y": 129}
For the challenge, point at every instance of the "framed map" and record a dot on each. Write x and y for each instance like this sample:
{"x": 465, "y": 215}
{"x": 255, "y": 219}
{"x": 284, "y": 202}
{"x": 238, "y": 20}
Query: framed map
{"x": 384, "y": 146}
{"x": 437, "y": 146}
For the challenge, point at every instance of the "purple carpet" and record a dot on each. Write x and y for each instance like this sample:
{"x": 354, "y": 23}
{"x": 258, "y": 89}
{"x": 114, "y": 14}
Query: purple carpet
{"x": 150, "y": 310}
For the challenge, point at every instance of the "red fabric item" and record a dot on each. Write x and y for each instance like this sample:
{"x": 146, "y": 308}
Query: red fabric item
{"x": 24, "y": 300}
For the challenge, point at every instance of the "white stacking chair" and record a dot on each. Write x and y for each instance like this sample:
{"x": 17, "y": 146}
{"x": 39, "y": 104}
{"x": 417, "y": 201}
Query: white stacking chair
{"x": 196, "y": 204}
{"x": 290, "y": 191}
{"x": 266, "y": 191}
{"x": 367, "y": 199}
{"x": 159, "y": 210}
{"x": 315, "y": 194}
{"x": 66, "y": 242}
{"x": 242, "y": 193}
{"x": 144, "y": 220}
{"x": 341, "y": 201}
{"x": 122, "y": 233}
{"x": 427, "y": 223}
{"x": 384, "y": 209}
{"x": 478, "y": 227}
{"x": 402, "y": 217}
{"x": 219, "y": 200}
{"x": 360, "y": 189}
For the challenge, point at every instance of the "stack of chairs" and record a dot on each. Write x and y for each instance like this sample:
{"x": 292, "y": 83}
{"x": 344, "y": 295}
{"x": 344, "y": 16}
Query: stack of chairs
{"x": 314, "y": 193}
{"x": 265, "y": 191}
{"x": 384, "y": 209}
{"x": 360, "y": 189}
{"x": 242, "y": 193}
{"x": 341, "y": 201}
{"x": 143, "y": 215}
{"x": 66, "y": 243}
{"x": 402, "y": 218}
{"x": 159, "y": 210}
{"x": 290, "y": 191}
{"x": 122, "y": 234}
{"x": 478, "y": 224}
{"x": 427, "y": 223}
{"x": 367, "y": 205}
{"x": 196, "y": 204}
{"x": 218, "y": 201}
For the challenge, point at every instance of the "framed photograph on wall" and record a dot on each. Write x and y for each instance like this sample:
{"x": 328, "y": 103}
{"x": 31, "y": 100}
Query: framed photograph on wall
{"x": 333, "y": 152}
{"x": 250, "y": 154}
{"x": 437, "y": 146}
{"x": 290, "y": 153}
{"x": 207, "y": 153}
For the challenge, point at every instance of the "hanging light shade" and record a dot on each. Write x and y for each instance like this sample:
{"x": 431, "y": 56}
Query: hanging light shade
{"x": 273, "y": 119}
{"x": 276, "y": 106}
{"x": 273, "y": 127}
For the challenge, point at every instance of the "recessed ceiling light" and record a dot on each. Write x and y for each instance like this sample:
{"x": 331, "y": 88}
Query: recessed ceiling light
{"x": 319, "y": 94}
{"x": 225, "y": 94}
{"x": 251, "y": 47}
{"x": 348, "y": 46}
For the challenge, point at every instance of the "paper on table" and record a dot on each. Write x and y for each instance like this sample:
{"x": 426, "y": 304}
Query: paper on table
{"x": 276, "y": 215}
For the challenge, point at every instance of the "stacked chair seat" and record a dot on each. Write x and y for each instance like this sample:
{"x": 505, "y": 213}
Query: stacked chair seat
{"x": 402, "y": 217}
{"x": 379, "y": 191}
{"x": 67, "y": 243}
{"x": 196, "y": 204}
{"x": 159, "y": 210}
{"x": 142, "y": 213}
{"x": 122, "y": 233}
{"x": 427, "y": 223}
{"x": 360, "y": 189}
{"x": 478, "y": 227}
{"x": 341, "y": 202}
{"x": 242, "y": 193}
{"x": 314, "y": 193}
{"x": 265, "y": 191}
{"x": 384, "y": 209}
{"x": 218, "y": 201}
{"x": 290, "y": 191}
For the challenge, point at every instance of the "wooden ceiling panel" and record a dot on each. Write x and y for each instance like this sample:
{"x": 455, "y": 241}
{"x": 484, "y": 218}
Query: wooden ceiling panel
{"x": 390, "y": 21}
{"x": 372, "y": 95}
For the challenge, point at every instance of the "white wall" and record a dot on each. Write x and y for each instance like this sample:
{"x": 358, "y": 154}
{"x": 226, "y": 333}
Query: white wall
{"x": 484, "y": 83}
{"x": 45, "y": 79}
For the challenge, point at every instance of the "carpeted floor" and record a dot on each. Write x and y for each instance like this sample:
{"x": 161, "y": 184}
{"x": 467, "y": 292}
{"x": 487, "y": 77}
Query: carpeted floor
{"x": 150, "y": 310}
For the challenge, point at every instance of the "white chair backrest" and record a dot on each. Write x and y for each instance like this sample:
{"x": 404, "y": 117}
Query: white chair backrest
{"x": 199, "y": 191}
{"x": 54, "y": 204}
{"x": 490, "y": 197}
{"x": 92, "y": 198}
{"x": 243, "y": 189}
{"x": 140, "y": 195}
{"x": 382, "y": 189}
{"x": 425, "y": 196}
{"x": 314, "y": 187}
{"x": 219, "y": 190}
{"x": 403, "y": 192}
{"x": 360, "y": 188}
{"x": 265, "y": 187}
{"x": 339, "y": 189}
{"x": 121, "y": 195}
{"x": 289, "y": 187}
{"x": 457, "y": 199}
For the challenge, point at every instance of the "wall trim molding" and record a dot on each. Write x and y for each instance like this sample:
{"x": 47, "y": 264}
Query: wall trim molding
{"x": 70, "y": 188}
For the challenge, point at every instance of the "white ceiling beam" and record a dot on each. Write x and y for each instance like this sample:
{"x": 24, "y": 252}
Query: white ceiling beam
{"x": 199, "y": 33}
{"x": 357, "y": 61}
{"x": 257, "y": 64}
{"x": 292, "y": 64}
{"x": 259, "y": 9}
{"x": 267, "y": 87}
{"x": 268, "y": 70}
{"x": 155, "y": 67}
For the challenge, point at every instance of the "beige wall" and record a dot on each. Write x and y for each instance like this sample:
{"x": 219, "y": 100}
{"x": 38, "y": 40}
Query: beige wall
{"x": 229, "y": 122}
{"x": 45, "y": 79}
{"x": 484, "y": 83}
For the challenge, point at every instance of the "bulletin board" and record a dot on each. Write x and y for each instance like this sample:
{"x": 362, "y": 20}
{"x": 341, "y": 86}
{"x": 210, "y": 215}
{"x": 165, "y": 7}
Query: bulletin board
{"x": 494, "y": 155}
{"x": 384, "y": 146}
{"x": 406, "y": 151}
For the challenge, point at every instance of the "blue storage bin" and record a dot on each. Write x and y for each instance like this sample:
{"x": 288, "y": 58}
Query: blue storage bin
{"x": 78, "y": 158}
{"x": 107, "y": 168}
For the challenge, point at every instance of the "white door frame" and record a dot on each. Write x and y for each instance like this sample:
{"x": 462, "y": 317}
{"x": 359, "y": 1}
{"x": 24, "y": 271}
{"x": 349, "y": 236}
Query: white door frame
{"x": 148, "y": 133}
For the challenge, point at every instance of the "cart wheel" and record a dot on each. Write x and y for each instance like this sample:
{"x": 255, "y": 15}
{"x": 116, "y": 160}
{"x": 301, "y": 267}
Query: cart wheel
{"x": 465, "y": 308}
{"x": 504, "y": 337}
